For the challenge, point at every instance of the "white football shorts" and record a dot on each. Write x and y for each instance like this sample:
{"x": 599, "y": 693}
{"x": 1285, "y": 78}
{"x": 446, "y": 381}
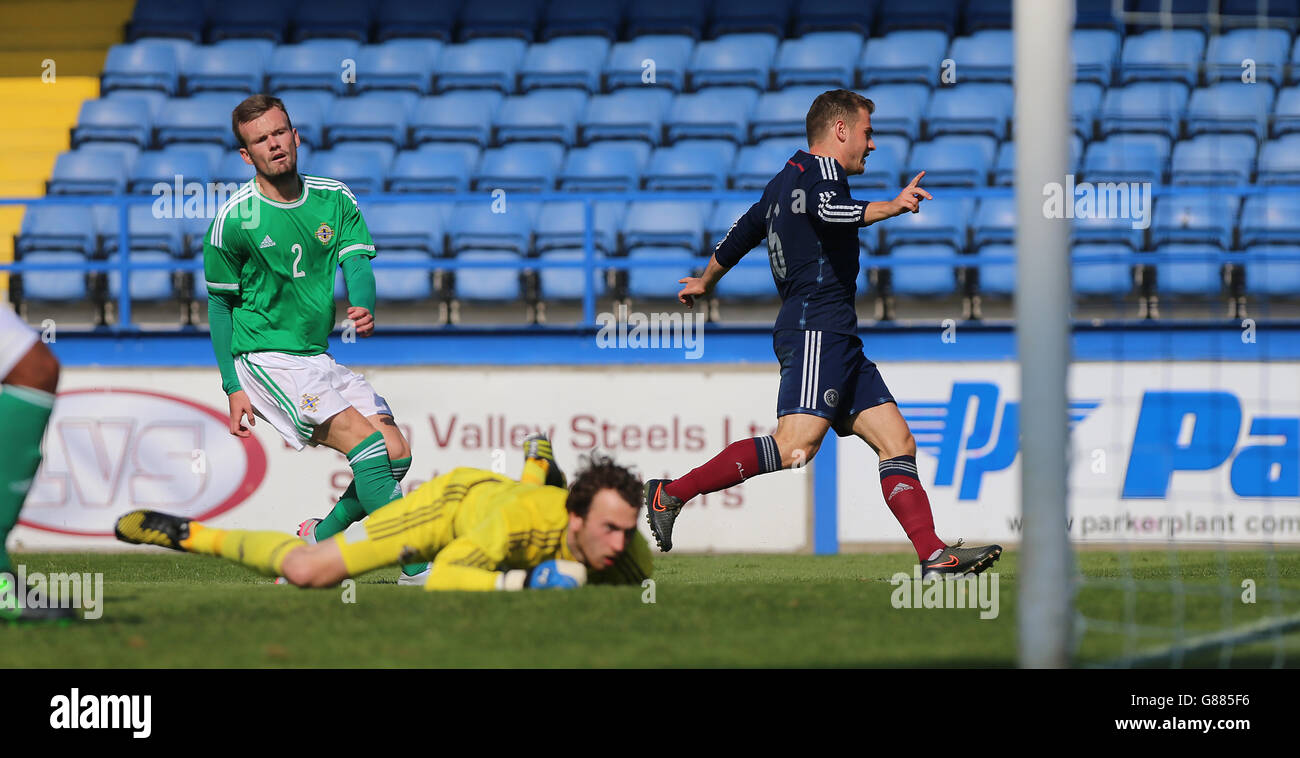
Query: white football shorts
{"x": 16, "y": 338}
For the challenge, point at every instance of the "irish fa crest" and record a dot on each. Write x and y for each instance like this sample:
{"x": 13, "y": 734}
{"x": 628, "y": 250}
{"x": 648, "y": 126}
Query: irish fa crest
{"x": 309, "y": 403}
{"x": 324, "y": 233}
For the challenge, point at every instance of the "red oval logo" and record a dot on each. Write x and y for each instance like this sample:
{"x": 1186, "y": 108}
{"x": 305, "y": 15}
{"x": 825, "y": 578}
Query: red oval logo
{"x": 108, "y": 451}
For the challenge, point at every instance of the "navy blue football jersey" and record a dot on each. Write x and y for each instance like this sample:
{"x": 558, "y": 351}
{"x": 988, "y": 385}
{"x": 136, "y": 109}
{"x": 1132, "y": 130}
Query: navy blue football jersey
{"x": 810, "y": 223}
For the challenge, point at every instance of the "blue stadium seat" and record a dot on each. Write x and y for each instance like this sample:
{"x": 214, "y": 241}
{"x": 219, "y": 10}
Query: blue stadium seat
{"x": 1230, "y": 107}
{"x": 1270, "y": 220}
{"x": 566, "y": 283}
{"x": 147, "y": 285}
{"x": 1146, "y": 107}
{"x": 997, "y": 279}
{"x": 564, "y": 62}
{"x": 1085, "y": 107}
{"x": 1117, "y": 226}
{"x": 315, "y": 64}
{"x": 717, "y": 112}
{"x": 1268, "y": 48}
{"x": 629, "y": 113}
{"x": 995, "y": 222}
{"x": 667, "y": 57}
{"x": 883, "y": 165}
{"x": 1092, "y": 276}
{"x": 902, "y": 57}
{"x": 1191, "y": 276}
{"x": 562, "y": 223}
{"x": 373, "y": 116}
{"x": 265, "y": 19}
{"x": 307, "y": 110}
{"x": 1267, "y": 275}
{"x": 783, "y": 113}
{"x": 116, "y": 119}
{"x": 360, "y": 166}
{"x": 1215, "y": 159}
{"x": 164, "y": 166}
{"x": 405, "y": 64}
{"x": 473, "y": 224}
{"x": 333, "y": 18}
{"x": 501, "y": 18}
{"x": 1162, "y": 55}
{"x": 166, "y": 18}
{"x": 89, "y": 171}
{"x": 544, "y": 114}
{"x": 919, "y": 14}
{"x": 1096, "y": 14}
{"x": 55, "y": 286}
{"x": 403, "y": 18}
{"x": 742, "y": 16}
{"x": 665, "y": 17}
{"x": 496, "y": 284}
{"x": 434, "y": 167}
{"x": 405, "y": 226}
{"x": 756, "y": 164}
{"x": 480, "y": 64}
{"x": 1286, "y": 112}
{"x": 402, "y": 285}
{"x": 57, "y": 227}
{"x": 970, "y": 109}
{"x": 650, "y": 282}
{"x": 922, "y": 279}
{"x": 724, "y": 214}
{"x": 520, "y": 166}
{"x": 985, "y": 56}
{"x": 960, "y": 161}
{"x": 202, "y": 118}
{"x": 140, "y": 65}
{"x": 834, "y": 15}
{"x": 673, "y": 223}
{"x": 1096, "y": 52}
{"x": 154, "y": 99}
{"x": 941, "y": 221}
{"x": 612, "y": 165}
{"x": 1279, "y": 13}
{"x": 825, "y": 59}
{"x": 572, "y": 17}
{"x": 1196, "y": 219}
{"x": 690, "y": 165}
{"x": 987, "y": 14}
{"x": 733, "y": 60}
{"x": 750, "y": 279}
{"x": 462, "y": 115}
{"x": 215, "y": 67}
{"x": 145, "y": 231}
{"x": 1279, "y": 161}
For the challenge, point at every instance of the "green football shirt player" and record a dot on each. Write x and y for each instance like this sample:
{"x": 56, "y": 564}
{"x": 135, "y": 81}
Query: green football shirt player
{"x": 269, "y": 259}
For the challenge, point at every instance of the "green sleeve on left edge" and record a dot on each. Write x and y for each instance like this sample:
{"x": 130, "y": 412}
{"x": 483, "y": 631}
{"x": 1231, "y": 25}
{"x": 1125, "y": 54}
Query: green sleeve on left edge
{"x": 360, "y": 279}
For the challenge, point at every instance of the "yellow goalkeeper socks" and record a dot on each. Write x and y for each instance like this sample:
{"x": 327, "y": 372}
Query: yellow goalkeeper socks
{"x": 264, "y": 552}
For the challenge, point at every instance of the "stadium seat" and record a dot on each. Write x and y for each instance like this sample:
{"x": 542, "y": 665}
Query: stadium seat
{"x": 573, "y": 17}
{"x": 959, "y": 161}
{"x": 558, "y": 284}
{"x": 402, "y": 285}
{"x": 1118, "y": 225}
{"x": 1162, "y": 55}
{"x": 750, "y": 16}
{"x": 629, "y": 113}
{"x": 463, "y": 115}
{"x": 520, "y": 166}
{"x": 116, "y": 119}
{"x": 755, "y": 165}
{"x": 404, "y": 64}
{"x": 1188, "y": 277}
{"x": 1226, "y": 53}
{"x": 673, "y": 223}
{"x": 147, "y": 285}
{"x": 1272, "y": 219}
{"x": 742, "y": 60}
{"x": 166, "y": 18}
{"x": 825, "y": 59}
{"x": 656, "y": 59}
{"x": 201, "y": 118}
{"x": 970, "y": 109}
{"x": 987, "y": 14}
{"x": 544, "y": 114}
{"x": 89, "y": 171}
{"x": 403, "y": 18}
{"x": 1094, "y": 276}
{"x": 919, "y": 14}
{"x": 55, "y": 286}
{"x": 690, "y": 165}
{"x": 480, "y": 64}
{"x": 1268, "y": 274}
{"x": 652, "y": 272}
{"x": 1095, "y": 54}
{"x": 140, "y": 65}
{"x": 997, "y": 279}
{"x": 724, "y": 214}
{"x": 475, "y": 224}
{"x": 500, "y": 18}
{"x": 899, "y": 108}
{"x": 902, "y": 57}
{"x": 1230, "y": 107}
{"x": 942, "y": 221}
{"x": 1196, "y": 219}
{"x": 995, "y": 222}
{"x": 834, "y": 15}
{"x": 332, "y": 18}
{"x": 380, "y": 116}
{"x": 985, "y": 56}
{"x": 1215, "y": 159}
{"x": 1146, "y": 107}
{"x": 218, "y": 67}
{"x": 307, "y": 110}
{"x": 154, "y": 99}
{"x": 434, "y": 167}
{"x": 562, "y": 224}
{"x": 489, "y": 284}
{"x": 1279, "y": 13}
{"x": 1096, "y": 14}
{"x": 315, "y": 64}
{"x": 684, "y": 17}
{"x": 57, "y": 227}
{"x": 1085, "y": 106}
{"x": 360, "y": 166}
{"x": 1279, "y": 161}
{"x": 264, "y": 19}
{"x": 750, "y": 279}
{"x": 406, "y": 226}
{"x": 918, "y": 279}
{"x": 883, "y": 166}
{"x": 717, "y": 112}
{"x": 564, "y": 62}
{"x": 145, "y": 231}
{"x": 611, "y": 165}
{"x": 783, "y": 113}
{"x": 1286, "y": 112}
{"x": 163, "y": 167}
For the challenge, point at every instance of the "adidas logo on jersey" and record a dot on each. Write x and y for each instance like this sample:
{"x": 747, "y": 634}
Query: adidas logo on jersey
{"x": 267, "y": 242}
{"x": 900, "y": 487}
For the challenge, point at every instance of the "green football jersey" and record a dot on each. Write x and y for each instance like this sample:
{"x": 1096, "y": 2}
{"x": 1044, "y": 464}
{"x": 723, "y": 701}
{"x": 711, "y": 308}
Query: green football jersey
{"x": 282, "y": 258}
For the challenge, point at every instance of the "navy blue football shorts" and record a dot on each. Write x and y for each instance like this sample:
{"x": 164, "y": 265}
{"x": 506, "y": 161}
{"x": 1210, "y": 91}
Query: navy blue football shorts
{"x": 826, "y": 374}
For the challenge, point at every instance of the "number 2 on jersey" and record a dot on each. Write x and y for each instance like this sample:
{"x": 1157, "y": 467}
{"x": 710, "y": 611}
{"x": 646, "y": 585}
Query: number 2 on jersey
{"x": 296, "y": 273}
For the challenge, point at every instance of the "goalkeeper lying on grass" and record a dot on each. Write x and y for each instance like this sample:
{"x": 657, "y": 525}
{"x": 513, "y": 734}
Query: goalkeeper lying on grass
{"x": 481, "y": 530}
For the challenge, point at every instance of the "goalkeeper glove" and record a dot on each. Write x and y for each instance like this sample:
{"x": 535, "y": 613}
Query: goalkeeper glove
{"x": 550, "y": 575}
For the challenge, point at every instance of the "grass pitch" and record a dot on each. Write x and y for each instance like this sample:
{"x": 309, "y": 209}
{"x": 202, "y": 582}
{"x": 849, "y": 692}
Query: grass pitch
{"x": 168, "y": 610}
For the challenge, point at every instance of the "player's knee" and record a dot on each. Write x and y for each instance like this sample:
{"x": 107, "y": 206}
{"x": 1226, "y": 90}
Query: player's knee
{"x": 39, "y": 369}
{"x": 302, "y": 568}
{"x": 796, "y": 454}
{"x": 904, "y": 444}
